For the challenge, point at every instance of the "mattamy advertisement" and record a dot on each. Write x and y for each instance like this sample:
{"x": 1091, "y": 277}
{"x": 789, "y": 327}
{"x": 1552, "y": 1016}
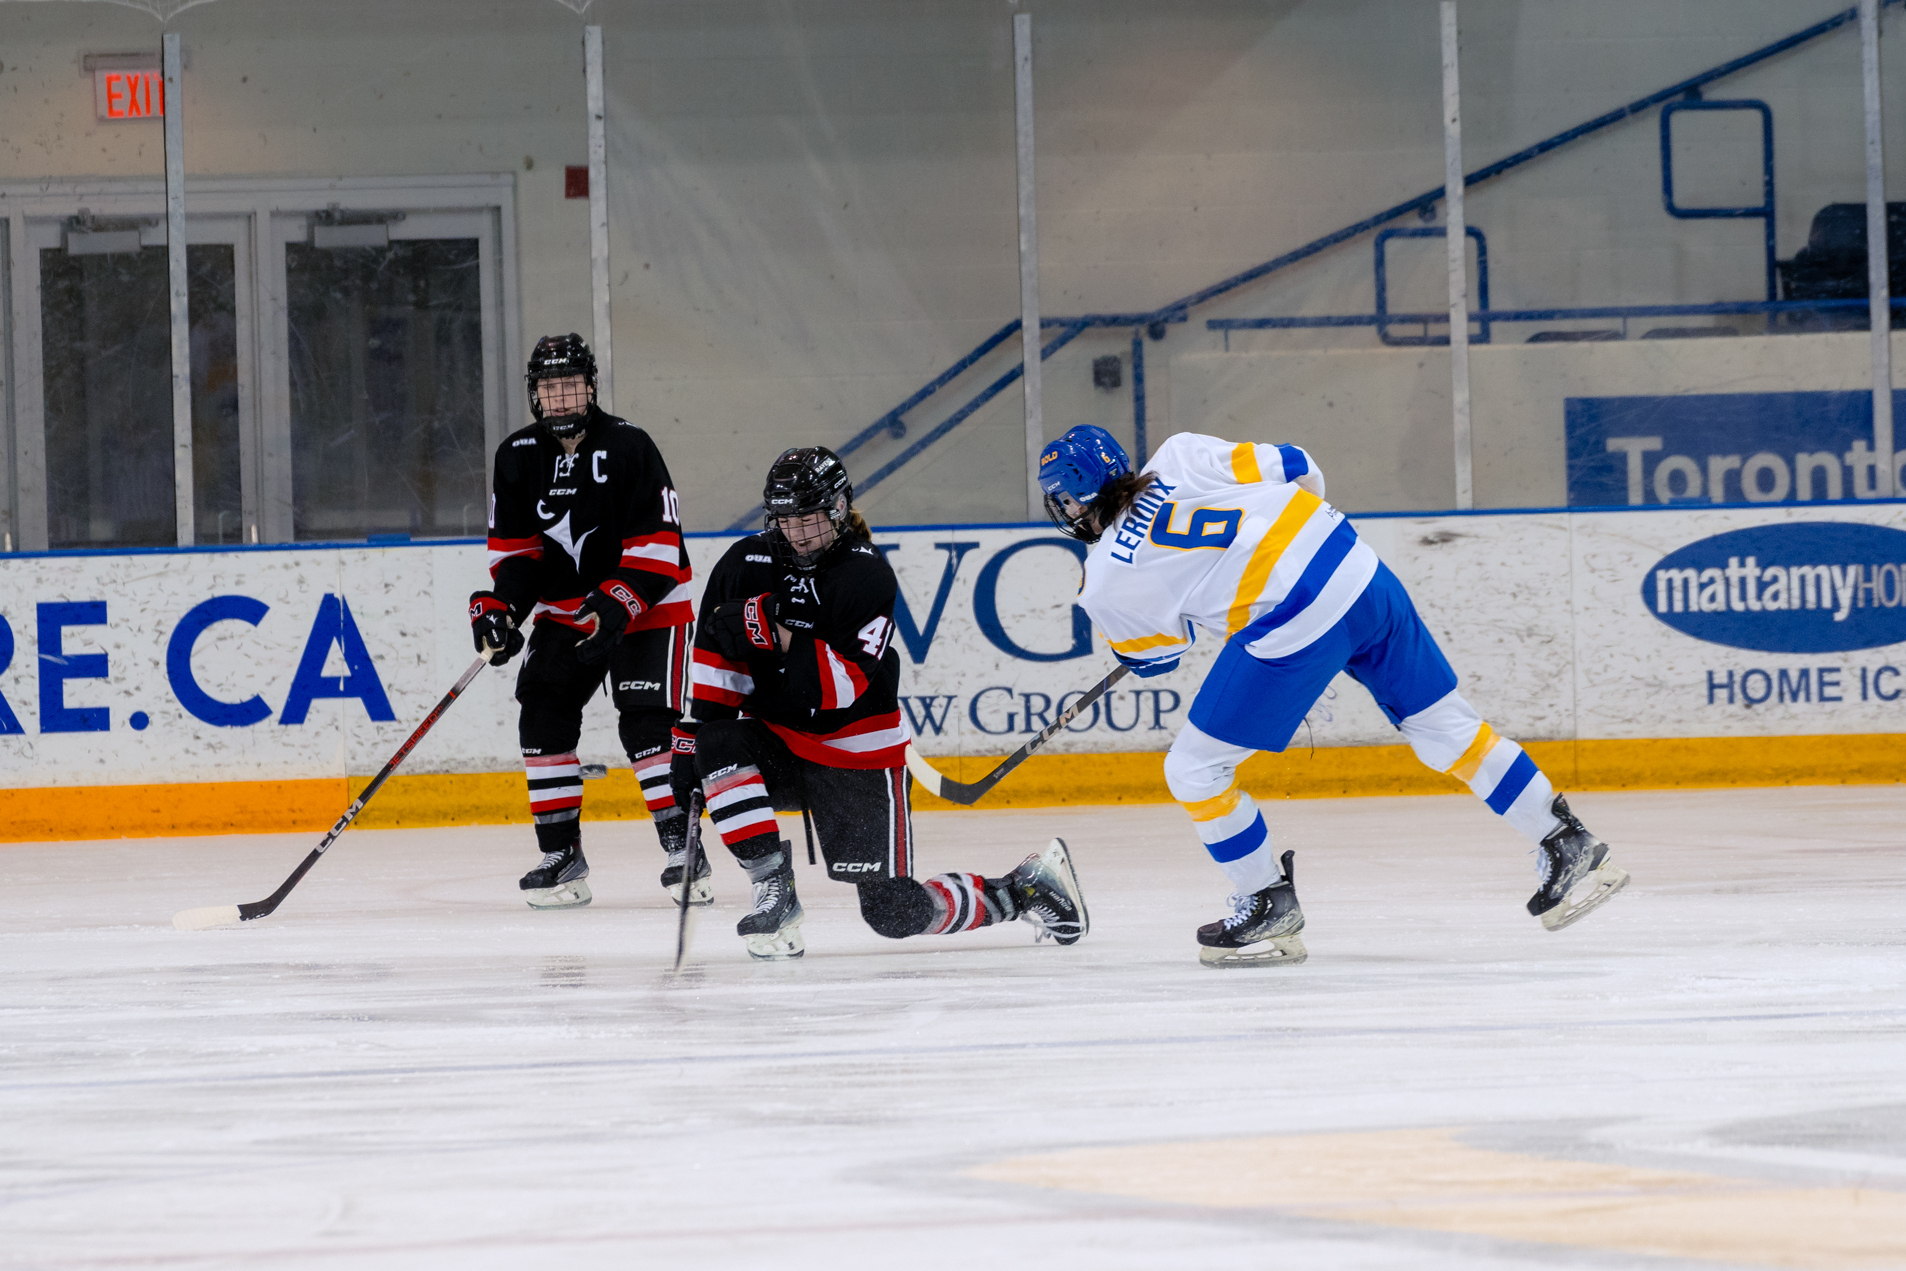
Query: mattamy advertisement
{"x": 277, "y": 664}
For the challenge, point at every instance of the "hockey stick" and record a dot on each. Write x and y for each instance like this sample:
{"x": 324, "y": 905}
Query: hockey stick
{"x": 691, "y": 857}
{"x": 224, "y": 915}
{"x": 962, "y": 793}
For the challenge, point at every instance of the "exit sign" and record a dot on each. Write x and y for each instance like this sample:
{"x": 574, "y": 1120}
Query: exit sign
{"x": 133, "y": 93}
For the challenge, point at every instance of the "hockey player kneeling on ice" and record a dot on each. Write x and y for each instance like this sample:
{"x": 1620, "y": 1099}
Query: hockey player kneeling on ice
{"x": 586, "y": 537}
{"x": 794, "y": 705}
{"x": 1237, "y": 539}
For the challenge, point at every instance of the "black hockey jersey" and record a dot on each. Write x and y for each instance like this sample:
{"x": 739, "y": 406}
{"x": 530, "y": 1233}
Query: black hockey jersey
{"x": 832, "y": 697}
{"x": 561, "y": 525}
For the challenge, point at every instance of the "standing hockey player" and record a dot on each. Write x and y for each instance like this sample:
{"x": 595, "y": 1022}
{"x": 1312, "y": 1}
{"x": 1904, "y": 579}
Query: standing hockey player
{"x": 1237, "y": 539}
{"x": 794, "y": 705}
{"x": 586, "y": 537}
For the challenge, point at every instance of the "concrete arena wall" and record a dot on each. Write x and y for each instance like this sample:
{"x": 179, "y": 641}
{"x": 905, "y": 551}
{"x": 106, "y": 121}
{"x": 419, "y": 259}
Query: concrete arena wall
{"x": 813, "y": 205}
{"x": 209, "y": 691}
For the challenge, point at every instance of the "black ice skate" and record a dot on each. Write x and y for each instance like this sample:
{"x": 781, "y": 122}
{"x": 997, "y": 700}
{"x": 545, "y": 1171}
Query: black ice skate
{"x": 558, "y": 882}
{"x": 1048, "y": 893}
{"x": 1262, "y": 929}
{"x": 772, "y": 929}
{"x": 700, "y": 890}
{"x": 1576, "y": 873}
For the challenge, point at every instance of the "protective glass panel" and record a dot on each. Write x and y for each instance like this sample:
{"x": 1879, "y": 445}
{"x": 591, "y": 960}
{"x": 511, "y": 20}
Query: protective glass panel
{"x": 107, "y": 357}
{"x": 386, "y": 348}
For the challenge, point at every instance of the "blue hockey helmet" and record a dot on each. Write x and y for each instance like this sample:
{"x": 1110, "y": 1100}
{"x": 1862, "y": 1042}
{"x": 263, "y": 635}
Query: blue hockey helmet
{"x": 1075, "y": 469}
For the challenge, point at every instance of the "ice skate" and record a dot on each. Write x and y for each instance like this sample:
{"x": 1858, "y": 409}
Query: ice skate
{"x": 558, "y": 882}
{"x": 1262, "y": 929}
{"x": 1048, "y": 893}
{"x": 1576, "y": 874}
{"x": 700, "y": 890}
{"x": 772, "y": 929}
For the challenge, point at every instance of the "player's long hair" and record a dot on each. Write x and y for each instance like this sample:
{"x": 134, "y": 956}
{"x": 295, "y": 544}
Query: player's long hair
{"x": 857, "y": 527}
{"x": 1117, "y": 496}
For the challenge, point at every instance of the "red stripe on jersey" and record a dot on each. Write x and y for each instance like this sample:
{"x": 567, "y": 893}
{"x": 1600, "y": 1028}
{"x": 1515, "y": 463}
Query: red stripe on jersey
{"x": 658, "y": 554}
{"x": 669, "y": 613}
{"x": 879, "y": 742}
{"x": 708, "y": 657}
{"x": 842, "y": 682}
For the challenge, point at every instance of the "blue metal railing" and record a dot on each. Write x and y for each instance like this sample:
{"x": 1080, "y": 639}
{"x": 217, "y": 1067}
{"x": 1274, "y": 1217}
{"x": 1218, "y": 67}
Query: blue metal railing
{"x": 1385, "y": 319}
{"x": 1153, "y": 322}
{"x": 1624, "y": 312}
{"x": 1764, "y": 210}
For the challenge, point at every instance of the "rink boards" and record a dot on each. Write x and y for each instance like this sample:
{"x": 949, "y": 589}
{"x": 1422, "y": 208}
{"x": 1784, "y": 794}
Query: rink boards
{"x": 148, "y": 691}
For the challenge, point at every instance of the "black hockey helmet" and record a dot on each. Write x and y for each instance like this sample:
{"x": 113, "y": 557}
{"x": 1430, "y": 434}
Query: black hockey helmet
{"x": 803, "y": 481}
{"x": 558, "y": 357}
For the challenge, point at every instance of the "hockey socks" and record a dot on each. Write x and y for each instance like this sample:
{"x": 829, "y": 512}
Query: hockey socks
{"x": 671, "y": 822}
{"x": 1501, "y": 774}
{"x": 739, "y": 805}
{"x": 967, "y": 902}
{"x": 1233, "y": 831}
{"x": 555, "y": 798}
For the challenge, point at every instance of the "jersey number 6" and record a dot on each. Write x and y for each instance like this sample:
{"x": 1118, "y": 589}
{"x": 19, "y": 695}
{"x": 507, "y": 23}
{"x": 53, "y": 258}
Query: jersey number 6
{"x": 1210, "y": 527}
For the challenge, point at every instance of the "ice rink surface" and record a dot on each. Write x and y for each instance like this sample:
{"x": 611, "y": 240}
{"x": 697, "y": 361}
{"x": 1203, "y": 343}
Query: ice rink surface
{"x": 405, "y": 1067}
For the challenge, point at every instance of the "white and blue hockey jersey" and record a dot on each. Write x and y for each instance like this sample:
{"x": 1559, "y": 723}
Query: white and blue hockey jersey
{"x": 1223, "y": 540}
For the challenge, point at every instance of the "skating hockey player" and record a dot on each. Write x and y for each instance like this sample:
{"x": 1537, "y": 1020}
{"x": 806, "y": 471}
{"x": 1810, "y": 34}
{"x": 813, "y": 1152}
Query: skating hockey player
{"x": 586, "y": 538}
{"x": 794, "y": 703}
{"x": 1236, "y": 539}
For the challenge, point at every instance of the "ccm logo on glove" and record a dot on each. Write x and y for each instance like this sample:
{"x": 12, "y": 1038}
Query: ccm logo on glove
{"x": 621, "y": 593}
{"x": 757, "y": 616}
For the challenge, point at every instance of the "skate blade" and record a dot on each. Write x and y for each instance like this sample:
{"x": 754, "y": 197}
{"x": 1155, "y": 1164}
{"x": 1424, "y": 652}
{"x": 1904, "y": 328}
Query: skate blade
{"x": 780, "y": 946}
{"x": 1600, "y": 887}
{"x": 571, "y": 895}
{"x": 702, "y": 893}
{"x": 1279, "y": 951}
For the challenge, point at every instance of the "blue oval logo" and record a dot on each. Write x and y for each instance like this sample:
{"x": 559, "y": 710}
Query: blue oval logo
{"x": 1803, "y": 587}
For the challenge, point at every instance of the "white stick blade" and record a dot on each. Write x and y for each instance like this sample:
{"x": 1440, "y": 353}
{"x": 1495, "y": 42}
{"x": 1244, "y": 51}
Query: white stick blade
{"x": 207, "y": 918}
{"x": 923, "y": 772}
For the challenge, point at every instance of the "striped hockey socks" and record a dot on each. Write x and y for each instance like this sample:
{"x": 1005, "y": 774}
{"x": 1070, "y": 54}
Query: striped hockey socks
{"x": 1451, "y": 737}
{"x": 555, "y": 798}
{"x": 1501, "y": 774}
{"x": 671, "y": 822}
{"x": 739, "y": 805}
{"x": 967, "y": 902}
{"x": 1233, "y": 831}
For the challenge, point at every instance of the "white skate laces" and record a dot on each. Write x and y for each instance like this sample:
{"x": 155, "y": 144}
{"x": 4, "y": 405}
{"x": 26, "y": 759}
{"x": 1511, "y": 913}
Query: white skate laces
{"x": 1242, "y": 907}
{"x": 552, "y": 859}
{"x": 767, "y": 894}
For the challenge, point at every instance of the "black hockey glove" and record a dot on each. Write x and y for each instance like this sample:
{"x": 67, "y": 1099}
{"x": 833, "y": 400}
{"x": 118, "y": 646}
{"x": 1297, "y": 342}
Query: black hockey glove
{"x": 740, "y": 629}
{"x": 615, "y": 605}
{"x": 494, "y": 631}
{"x": 682, "y": 778}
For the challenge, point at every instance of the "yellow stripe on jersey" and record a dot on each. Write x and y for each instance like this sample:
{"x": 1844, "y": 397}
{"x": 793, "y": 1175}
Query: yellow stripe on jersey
{"x": 1464, "y": 769}
{"x": 1264, "y": 557}
{"x": 1144, "y": 642}
{"x": 1213, "y": 808}
{"x": 1244, "y": 464}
